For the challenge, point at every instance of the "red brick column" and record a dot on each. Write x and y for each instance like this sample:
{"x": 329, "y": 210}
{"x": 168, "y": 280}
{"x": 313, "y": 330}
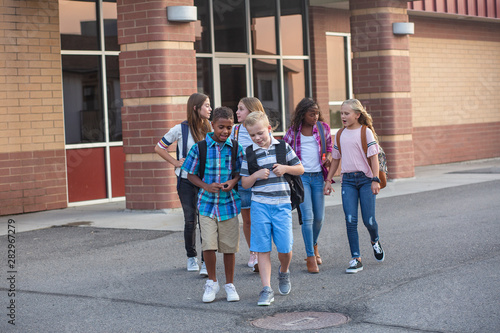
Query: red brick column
{"x": 157, "y": 75}
{"x": 381, "y": 77}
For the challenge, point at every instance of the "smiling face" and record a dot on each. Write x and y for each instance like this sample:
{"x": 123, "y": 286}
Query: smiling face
{"x": 311, "y": 116}
{"x": 205, "y": 110}
{"x": 259, "y": 133}
{"x": 242, "y": 112}
{"x": 222, "y": 129}
{"x": 349, "y": 117}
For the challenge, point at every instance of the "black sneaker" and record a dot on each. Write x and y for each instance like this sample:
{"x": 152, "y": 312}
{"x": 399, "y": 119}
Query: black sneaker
{"x": 355, "y": 266}
{"x": 378, "y": 251}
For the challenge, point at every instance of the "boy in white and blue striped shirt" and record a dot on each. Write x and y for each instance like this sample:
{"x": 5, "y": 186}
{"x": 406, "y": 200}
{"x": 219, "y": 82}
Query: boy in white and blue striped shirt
{"x": 271, "y": 211}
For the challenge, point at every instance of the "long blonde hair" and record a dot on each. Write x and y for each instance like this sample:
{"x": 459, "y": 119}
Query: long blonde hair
{"x": 198, "y": 126}
{"x": 252, "y": 104}
{"x": 364, "y": 117}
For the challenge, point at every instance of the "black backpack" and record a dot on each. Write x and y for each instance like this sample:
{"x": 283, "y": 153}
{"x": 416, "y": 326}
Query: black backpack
{"x": 202, "y": 149}
{"x": 294, "y": 182}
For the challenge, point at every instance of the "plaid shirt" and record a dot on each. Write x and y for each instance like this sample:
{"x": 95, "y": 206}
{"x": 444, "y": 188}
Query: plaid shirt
{"x": 218, "y": 169}
{"x": 295, "y": 144}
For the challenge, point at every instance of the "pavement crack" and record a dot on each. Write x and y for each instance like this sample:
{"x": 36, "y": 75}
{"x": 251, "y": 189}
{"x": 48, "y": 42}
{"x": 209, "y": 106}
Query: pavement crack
{"x": 406, "y": 328}
{"x": 125, "y": 301}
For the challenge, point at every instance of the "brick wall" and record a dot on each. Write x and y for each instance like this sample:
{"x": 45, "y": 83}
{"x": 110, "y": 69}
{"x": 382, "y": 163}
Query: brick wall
{"x": 381, "y": 77}
{"x": 455, "y": 71}
{"x": 321, "y": 21}
{"x": 32, "y": 159}
{"x": 157, "y": 75}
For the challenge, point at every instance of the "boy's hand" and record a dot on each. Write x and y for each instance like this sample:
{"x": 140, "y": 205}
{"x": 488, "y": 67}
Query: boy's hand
{"x": 213, "y": 188}
{"x": 262, "y": 173}
{"x": 229, "y": 185}
{"x": 279, "y": 169}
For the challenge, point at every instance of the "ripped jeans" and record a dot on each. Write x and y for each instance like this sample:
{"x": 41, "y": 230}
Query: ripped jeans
{"x": 356, "y": 187}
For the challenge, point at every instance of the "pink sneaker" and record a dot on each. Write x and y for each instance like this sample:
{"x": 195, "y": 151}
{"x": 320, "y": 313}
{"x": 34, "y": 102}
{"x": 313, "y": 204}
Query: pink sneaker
{"x": 253, "y": 259}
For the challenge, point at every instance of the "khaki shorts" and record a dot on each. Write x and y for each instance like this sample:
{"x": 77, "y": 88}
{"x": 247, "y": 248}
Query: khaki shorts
{"x": 222, "y": 236}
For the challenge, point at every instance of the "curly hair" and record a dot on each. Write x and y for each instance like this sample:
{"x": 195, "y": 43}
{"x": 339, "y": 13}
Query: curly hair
{"x": 222, "y": 112}
{"x": 300, "y": 111}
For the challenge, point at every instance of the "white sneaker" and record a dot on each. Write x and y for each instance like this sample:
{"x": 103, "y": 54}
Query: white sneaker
{"x": 192, "y": 264}
{"x": 203, "y": 270}
{"x": 211, "y": 289}
{"x": 232, "y": 295}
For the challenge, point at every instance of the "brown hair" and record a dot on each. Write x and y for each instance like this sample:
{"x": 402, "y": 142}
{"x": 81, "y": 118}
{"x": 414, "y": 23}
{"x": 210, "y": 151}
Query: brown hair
{"x": 252, "y": 104}
{"x": 198, "y": 126}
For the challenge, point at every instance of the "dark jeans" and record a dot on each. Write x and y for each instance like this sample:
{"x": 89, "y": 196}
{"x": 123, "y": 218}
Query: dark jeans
{"x": 188, "y": 195}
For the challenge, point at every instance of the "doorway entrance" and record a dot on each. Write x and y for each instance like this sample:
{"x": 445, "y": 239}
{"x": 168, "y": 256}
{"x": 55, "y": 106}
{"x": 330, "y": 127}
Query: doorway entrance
{"x": 233, "y": 78}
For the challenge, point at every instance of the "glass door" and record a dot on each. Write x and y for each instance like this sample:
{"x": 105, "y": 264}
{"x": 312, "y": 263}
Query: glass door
{"x": 232, "y": 82}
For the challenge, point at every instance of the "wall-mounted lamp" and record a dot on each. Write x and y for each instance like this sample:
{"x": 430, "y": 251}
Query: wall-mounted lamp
{"x": 403, "y": 28}
{"x": 182, "y": 13}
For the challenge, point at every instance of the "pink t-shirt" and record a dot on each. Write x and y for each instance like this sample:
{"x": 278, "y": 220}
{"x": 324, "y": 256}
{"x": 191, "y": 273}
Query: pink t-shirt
{"x": 353, "y": 155}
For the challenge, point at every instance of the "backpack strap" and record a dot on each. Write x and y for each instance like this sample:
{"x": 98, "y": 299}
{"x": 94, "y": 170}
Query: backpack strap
{"x": 185, "y": 134}
{"x": 237, "y": 132}
{"x": 202, "y": 157}
{"x": 234, "y": 155}
{"x": 321, "y": 130}
{"x": 363, "y": 140}
{"x": 253, "y": 166}
{"x": 281, "y": 153}
{"x": 339, "y": 132}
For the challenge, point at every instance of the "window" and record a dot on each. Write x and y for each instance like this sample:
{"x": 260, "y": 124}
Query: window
{"x": 339, "y": 74}
{"x": 92, "y": 102}
{"x": 270, "y": 37}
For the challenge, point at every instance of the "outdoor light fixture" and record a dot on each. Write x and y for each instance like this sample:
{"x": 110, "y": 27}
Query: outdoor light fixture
{"x": 182, "y": 14}
{"x": 403, "y": 28}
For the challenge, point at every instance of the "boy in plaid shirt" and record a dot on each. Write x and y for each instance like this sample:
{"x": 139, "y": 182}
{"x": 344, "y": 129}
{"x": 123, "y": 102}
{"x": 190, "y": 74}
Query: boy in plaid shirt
{"x": 218, "y": 202}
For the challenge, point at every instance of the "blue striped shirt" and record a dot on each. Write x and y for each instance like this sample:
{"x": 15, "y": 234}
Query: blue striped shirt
{"x": 274, "y": 190}
{"x": 218, "y": 169}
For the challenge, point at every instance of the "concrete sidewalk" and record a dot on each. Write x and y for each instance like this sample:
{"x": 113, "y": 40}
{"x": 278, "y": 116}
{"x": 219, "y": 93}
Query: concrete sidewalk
{"x": 114, "y": 215}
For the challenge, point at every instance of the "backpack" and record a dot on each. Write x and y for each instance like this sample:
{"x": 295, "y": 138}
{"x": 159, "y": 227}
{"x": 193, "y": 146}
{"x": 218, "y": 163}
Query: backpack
{"x": 294, "y": 182}
{"x": 382, "y": 160}
{"x": 202, "y": 149}
{"x": 185, "y": 134}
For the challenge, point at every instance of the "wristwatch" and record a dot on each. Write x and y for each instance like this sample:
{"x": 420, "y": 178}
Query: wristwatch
{"x": 376, "y": 179}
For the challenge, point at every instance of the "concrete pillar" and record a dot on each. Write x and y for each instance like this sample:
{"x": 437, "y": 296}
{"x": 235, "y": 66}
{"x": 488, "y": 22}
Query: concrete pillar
{"x": 381, "y": 77}
{"x": 157, "y": 75}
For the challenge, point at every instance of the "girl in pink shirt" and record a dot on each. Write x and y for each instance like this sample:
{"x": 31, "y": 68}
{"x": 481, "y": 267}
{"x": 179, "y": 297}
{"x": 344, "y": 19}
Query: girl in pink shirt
{"x": 358, "y": 182}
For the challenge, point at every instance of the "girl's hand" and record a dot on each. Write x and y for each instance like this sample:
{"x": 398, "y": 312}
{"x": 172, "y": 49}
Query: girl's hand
{"x": 262, "y": 173}
{"x": 328, "y": 189}
{"x": 375, "y": 188}
{"x": 179, "y": 163}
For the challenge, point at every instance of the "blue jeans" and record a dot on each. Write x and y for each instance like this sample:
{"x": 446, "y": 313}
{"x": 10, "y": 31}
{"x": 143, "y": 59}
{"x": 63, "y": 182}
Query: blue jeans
{"x": 312, "y": 209}
{"x": 357, "y": 187}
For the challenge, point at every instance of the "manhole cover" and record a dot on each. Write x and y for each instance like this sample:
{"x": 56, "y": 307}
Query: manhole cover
{"x": 296, "y": 321}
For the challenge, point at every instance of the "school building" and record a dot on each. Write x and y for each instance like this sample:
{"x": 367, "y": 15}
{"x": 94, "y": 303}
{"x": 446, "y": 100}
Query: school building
{"x": 87, "y": 88}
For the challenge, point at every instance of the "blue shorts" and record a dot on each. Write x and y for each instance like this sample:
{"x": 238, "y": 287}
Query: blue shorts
{"x": 271, "y": 223}
{"x": 245, "y": 196}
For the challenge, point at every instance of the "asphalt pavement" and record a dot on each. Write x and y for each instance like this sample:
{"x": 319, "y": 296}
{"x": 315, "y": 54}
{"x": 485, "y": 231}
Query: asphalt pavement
{"x": 103, "y": 268}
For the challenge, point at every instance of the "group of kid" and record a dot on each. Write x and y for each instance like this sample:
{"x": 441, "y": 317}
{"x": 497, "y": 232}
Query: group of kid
{"x": 216, "y": 182}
